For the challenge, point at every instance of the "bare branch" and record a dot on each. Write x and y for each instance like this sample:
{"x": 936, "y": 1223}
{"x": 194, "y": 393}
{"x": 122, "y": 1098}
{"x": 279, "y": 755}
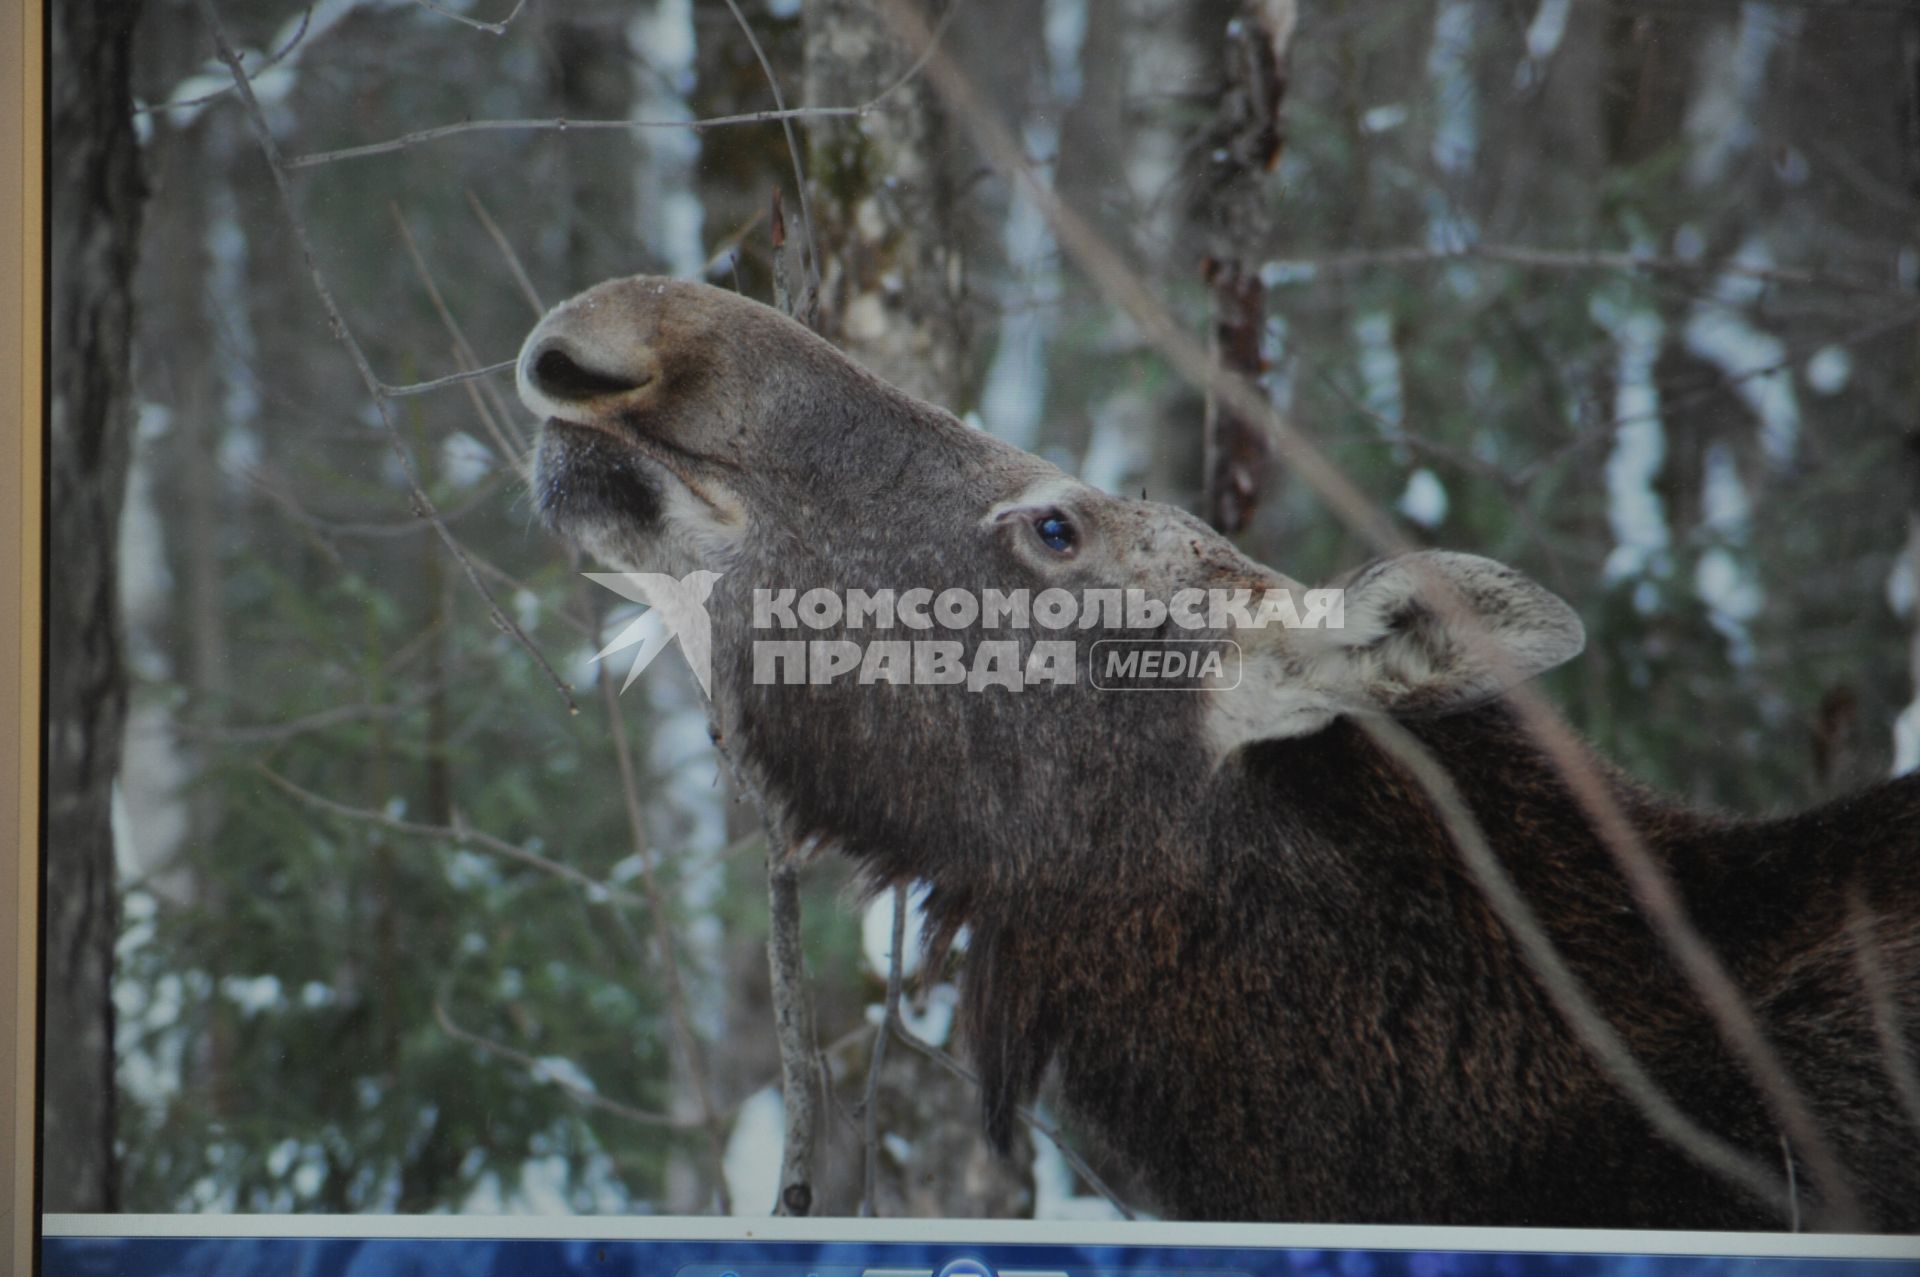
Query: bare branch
{"x": 592, "y": 1098}
{"x": 422, "y": 502}
{"x": 556, "y": 124}
{"x": 800, "y": 1073}
{"x": 491, "y": 28}
{"x": 441, "y": 383}
{"x": 491, "y": 421}
{"x": 1901, "y": 1069}
{"x": 560, "y": 125}
{"x": 318, "y": 721}
{"x": 1876, "y": 327}
{"x": 1530, "y": 257}
{"x": 509, "y": 437}
{"x": 326, "y": 527}
{"x": 300, "y": 33}
{"x": 584, "y": 626}
{"x": 460, "y": 834}
{"x": 919, "y": 63}
{"x": 793, "y": 1025}
{"x": 793, "y": 149}
{"x": 729, "y": 246}
{"x": 520, "y": 275}
{"x": 588, "y": 1097}
{"x": 1559, "y": 980}
{"x": 890, "y": 1016}
{"x": 1793, "y": 1187}
{"x": 1653, "y": 891}
{"x": 667, "y": 952}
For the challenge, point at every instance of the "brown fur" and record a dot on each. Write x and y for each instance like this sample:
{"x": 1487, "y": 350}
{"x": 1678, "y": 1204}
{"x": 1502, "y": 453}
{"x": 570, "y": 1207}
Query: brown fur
{"x": 1254, "y": 960}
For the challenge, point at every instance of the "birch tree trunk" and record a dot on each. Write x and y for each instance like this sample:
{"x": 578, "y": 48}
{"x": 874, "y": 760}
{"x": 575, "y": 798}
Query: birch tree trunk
{"x": 886, "y": 206}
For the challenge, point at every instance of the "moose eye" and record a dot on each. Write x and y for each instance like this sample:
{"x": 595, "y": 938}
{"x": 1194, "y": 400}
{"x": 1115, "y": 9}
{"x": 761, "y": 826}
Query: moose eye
{"x": 1055, "y": 532}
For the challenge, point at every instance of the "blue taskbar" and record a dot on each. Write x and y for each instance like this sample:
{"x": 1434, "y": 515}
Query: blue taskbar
{"x": 443, "y": 1246}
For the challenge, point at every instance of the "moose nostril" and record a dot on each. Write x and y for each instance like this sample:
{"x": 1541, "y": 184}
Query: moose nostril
{"x": 559, "y": 376}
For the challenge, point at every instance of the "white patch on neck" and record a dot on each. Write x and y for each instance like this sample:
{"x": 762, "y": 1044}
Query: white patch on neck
{"x": 1265, "y": 706}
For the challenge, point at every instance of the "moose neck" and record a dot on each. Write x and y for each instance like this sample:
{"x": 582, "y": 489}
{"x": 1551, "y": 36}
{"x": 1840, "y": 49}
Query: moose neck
{"x": 1329, "y": 915}
{"x": 1360, "y": 833}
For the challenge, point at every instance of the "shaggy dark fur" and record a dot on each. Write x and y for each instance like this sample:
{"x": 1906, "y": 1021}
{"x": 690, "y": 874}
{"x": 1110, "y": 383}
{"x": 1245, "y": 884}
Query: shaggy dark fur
{"x": 1265, "y": 979}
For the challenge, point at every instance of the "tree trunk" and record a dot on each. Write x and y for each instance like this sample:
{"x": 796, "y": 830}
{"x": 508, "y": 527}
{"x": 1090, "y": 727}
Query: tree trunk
{"x": 97, "y": 191}
{"x": 1231, "y": 211}
{"x": 886, "y": 204}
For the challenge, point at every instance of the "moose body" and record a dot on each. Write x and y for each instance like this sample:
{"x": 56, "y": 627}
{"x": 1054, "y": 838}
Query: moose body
{"x": 1235, "y": 926}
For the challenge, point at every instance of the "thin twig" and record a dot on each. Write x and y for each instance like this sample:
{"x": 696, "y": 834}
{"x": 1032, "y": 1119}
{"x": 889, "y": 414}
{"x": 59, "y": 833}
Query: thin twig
{"x": 558, "y": 124}
{"x": 514, "y": 265}
{"x": 1556, "y": 977}
{"x": 1681, "y": 398}
{"x": 1659, "y": 901}
{"x": 329, "y": 526}
{"x": 441, "y": 383}
{"x": 870, "y": 1107}
{"x": 793, "y": 149}
{"x": 927, "y": 51}
{"x": 1652, "y": 888}
{"x": 318, "y": 721}
{"x": 668, "y": 952}
{"x": 491, "y": 28}
{"x": 460, "y": 834}
{"x": 1793, "y": 1187}
{"x": 511, "y": 439}
{"x": 1531, "y": 257}
{"x": 1901, "y": 1070}
{"x": 777, "y": 230}
{"x": 561, "y": 125}
{"x": 592, "y": 1098}
{"x": 271, "y": 151}
{"x": 729, "y": 247}
{"x": 490, "y": 421}
{"x": 584, "y": 626}
{"x": 300, "y": 33}
{"x": 1027, "y": 1114}
{"x": 585, "y": 1095}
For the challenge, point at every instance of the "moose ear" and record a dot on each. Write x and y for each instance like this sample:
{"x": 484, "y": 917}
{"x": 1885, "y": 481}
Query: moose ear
{"x": 1426, "y": 633}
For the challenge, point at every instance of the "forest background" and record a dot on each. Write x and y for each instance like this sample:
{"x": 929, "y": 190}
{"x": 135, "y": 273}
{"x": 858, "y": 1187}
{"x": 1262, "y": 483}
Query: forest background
{"x": 360, "y": 914}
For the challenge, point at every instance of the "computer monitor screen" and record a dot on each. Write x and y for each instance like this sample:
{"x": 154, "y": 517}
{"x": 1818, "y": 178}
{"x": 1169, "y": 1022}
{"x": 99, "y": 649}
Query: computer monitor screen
{"x": 1089, "y": 623}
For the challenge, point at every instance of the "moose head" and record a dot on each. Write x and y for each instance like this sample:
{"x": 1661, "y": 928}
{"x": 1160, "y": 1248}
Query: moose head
{"x": 1238, "y": 930}
{"x": 690, "y": 428}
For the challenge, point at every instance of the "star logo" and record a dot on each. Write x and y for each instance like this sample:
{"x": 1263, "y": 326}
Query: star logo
{"x": 675, "y": 609}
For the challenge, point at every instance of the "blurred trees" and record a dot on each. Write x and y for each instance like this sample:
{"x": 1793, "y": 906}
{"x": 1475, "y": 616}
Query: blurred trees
{"x": 1623, "y": 293}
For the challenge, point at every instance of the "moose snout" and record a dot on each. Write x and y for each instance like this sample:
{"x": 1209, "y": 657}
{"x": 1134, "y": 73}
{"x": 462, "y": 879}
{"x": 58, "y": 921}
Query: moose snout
{"x": 558, "y": 373}
{"x": 574, "y": 369}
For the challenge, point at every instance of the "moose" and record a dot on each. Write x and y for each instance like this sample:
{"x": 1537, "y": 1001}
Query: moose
{"x": 1231, "y": 927}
